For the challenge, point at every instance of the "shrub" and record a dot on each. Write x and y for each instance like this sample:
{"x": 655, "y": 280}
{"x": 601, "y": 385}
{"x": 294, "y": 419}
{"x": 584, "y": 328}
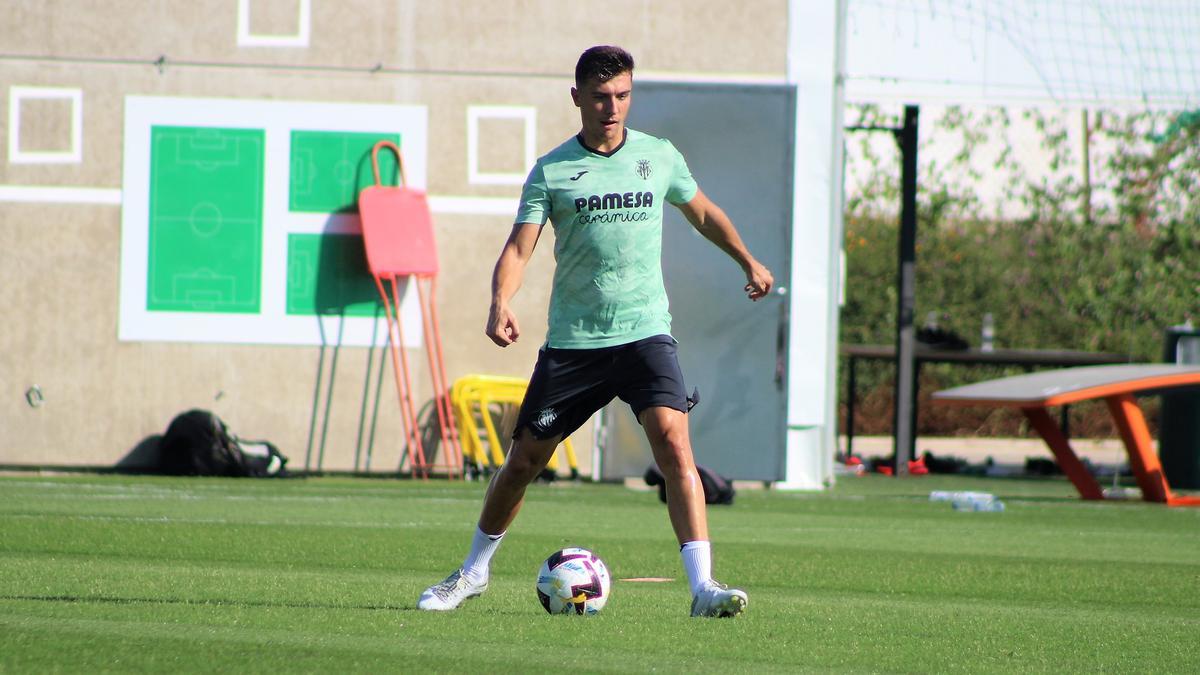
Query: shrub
{"x": 1104, "y": 264}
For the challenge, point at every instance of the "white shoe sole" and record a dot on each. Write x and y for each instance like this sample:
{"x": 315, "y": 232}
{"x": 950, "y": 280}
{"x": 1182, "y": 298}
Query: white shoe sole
{"x": 733, "y": 605}
{"x": 435, "y": 605}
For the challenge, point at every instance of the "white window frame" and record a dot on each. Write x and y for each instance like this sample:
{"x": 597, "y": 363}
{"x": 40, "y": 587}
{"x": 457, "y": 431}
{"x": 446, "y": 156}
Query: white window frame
{"x": 300, "y": 39}
{"x": 475, "y": 113}
{"x": 19, "y": 94}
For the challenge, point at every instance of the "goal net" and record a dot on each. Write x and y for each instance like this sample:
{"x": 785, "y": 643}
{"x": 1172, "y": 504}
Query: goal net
{"x": 1138, "y": 53}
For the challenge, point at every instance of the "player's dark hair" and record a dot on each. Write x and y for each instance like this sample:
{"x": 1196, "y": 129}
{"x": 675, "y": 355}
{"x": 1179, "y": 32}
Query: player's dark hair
{"x": 603, "y": 62}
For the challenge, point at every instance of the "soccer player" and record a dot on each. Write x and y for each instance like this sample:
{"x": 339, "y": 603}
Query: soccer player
{"x": 609, "y": 328}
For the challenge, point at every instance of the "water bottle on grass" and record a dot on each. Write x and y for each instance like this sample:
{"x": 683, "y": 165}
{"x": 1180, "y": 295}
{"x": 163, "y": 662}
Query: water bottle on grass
{"x": 975, "y": 501}
{"x": 952, "y": 495}
{"x": 968, "y": 501}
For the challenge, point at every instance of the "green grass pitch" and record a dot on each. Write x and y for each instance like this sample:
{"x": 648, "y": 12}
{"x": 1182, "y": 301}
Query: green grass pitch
{"x": 149, "y": 574}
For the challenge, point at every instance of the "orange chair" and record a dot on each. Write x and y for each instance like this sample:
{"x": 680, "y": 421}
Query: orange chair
{"x": 398, "y": 237}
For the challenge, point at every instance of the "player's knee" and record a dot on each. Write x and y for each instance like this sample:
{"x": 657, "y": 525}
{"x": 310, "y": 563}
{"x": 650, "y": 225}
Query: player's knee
{"x": 519, "y": 469}
{"x": 526, "y": 460}
{"x": 675, "y": 457}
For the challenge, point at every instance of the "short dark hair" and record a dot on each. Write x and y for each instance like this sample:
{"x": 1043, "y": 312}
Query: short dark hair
{"x": 603, "y": 62}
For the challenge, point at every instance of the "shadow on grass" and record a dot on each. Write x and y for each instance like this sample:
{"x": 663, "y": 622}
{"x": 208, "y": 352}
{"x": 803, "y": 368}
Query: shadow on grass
{"x": 108, "y": 600}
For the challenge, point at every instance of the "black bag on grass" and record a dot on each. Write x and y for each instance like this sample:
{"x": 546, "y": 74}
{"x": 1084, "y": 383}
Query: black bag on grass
{"x": 717, "y": 488}
{"x": 198, "y": 443}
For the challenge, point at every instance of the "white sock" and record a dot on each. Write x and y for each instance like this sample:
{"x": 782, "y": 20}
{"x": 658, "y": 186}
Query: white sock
{"x": 697, "y": 562}
{"x": 479, "y": 560}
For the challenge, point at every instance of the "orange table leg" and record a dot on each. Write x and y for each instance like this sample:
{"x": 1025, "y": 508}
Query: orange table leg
{"x": 1142, "y": 458}
{"x": 1061, "y": 447}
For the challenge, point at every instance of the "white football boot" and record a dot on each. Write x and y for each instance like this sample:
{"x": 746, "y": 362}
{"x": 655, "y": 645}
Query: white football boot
{"x": 717, "y": 599}
{"x": 451, "y": 592}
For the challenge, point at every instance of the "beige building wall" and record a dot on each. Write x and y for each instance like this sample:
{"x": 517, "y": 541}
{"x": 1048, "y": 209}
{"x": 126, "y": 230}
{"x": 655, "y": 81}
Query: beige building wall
{"x": 75, "y": 395}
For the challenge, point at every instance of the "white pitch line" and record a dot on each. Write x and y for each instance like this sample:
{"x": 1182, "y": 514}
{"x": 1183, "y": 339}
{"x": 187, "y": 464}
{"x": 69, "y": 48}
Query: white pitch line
{"x": 167, "y": 520}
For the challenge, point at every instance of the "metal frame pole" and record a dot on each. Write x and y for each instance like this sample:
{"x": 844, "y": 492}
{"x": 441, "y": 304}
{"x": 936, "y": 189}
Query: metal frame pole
{"x": 904, "y": 416}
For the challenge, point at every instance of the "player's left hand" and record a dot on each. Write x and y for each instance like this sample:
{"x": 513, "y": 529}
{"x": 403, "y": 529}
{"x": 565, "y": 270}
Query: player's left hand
{"x": 759, "y": 281}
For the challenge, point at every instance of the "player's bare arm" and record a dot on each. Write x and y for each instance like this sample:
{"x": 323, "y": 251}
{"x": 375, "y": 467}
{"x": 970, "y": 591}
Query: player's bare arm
{"x": 502, "y": 325}
{"x": 710, "y": 221}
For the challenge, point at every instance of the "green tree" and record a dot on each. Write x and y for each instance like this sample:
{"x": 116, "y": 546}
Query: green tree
{"x": 1099, "y": 258}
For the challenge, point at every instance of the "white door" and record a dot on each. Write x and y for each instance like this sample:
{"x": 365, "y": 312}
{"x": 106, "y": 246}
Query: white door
{"x": 737, "y": 140}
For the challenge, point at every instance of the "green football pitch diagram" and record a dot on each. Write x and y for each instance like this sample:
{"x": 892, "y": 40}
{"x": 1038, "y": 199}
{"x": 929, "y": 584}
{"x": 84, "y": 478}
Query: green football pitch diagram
{"x": 345, "y": 282}
{"x": 330, "y": 168}
{"x": 327, "y": 274}
{"x": 205, "y": 220}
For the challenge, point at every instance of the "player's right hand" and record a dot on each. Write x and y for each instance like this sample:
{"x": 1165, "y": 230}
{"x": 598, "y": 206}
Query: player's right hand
{"x": 502, "y": 325}
{"x": 758, "y": 281}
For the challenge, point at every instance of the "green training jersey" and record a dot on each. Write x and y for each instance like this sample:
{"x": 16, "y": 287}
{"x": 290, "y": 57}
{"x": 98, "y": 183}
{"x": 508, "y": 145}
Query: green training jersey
{"x": 606, "y": 209}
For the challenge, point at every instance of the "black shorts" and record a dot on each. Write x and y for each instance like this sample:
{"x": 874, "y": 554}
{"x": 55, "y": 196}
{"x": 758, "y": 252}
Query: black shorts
{"x": 569, "y": 385}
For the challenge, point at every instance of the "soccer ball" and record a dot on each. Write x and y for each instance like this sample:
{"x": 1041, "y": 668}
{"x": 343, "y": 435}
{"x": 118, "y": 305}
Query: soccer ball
{"x": 573, "y": 581}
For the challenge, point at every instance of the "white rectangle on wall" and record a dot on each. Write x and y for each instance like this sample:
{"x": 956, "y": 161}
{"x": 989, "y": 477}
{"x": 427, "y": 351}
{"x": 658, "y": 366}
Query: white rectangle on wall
{"x": 247, "y": 38}
{"x": 527, "y": 115}
{"x": 18, "y": 95}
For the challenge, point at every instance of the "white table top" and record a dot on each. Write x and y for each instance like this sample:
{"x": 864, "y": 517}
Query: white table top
{"x": 1068, "y": 385}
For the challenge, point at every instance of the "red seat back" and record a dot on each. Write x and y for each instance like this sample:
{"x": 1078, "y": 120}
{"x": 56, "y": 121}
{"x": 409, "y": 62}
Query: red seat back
{"x": 397, "y": 228}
